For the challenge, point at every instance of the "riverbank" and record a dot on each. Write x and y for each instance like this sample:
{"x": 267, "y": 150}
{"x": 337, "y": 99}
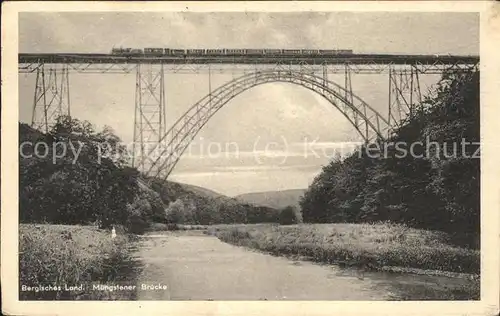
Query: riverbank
{"x": 382, "y": 247}
{"x": 70, "y": 262}
{"x": 197, "y": 266}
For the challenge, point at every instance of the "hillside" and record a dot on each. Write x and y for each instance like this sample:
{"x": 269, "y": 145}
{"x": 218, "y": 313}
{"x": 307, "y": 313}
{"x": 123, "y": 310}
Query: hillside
{"x": 28, "y": 133}
{"x": 437, "y": 186}
{"x": 195, "y": 205}
{"x": 200, "y": 190}
{"x": 59, "y": 186}
{"x": 83, "y": 189}
{"x": 274, "y": 199}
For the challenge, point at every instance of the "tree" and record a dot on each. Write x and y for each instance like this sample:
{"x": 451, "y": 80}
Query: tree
{"x": 79, "y": 185}
{"x": 433, "y": 191}
{"x": 288, "y": 216}
{"x": 175, "y": 212}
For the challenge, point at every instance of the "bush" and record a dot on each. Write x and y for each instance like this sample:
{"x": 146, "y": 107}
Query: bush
{"x": 136, "y": 224}
{"x": 176, "y": 212}
{"x": 376, "y": 245}
{"x": 287, "y": 216}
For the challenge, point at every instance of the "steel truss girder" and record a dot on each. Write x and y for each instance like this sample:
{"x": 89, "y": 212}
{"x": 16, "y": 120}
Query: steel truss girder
{"x": 214, "y": 68}
{"x": 96, "y": 58}
{"x": 179, "y": 136}
{"x": 150, "y": 114}
{"x": 51, "y": 97}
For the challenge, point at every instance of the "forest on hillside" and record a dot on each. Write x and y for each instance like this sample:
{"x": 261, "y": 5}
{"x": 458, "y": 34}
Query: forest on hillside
{"x": 188, "y": 207}
{"x": 77, "y": 175}
{"x": 63, "y": 179}
{"x": 438, "y": 187}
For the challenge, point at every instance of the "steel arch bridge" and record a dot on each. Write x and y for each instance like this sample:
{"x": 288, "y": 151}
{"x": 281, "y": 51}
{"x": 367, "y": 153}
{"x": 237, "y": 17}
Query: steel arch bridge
{"x": 163, "y": 157}
{"x": 157, "y": 150}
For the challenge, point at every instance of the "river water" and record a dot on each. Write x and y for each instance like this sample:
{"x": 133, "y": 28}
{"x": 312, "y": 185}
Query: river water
{"x": 193, "y": 266}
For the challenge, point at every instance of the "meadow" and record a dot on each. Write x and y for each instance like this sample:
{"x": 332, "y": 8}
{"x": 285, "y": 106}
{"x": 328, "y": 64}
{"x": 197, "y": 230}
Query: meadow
{"x": 383, "y": 246}
{"x": 70, "y": 255}
{"x": 173, "y": 227}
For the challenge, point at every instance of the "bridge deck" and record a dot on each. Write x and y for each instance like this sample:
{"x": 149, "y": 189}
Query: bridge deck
{"x": 358, "y": 59}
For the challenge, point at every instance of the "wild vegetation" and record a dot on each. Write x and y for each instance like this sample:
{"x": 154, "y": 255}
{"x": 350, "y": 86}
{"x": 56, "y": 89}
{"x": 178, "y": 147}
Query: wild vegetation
{"x": 60, "y": 255}
{"x": 373, "y": 246}
{"x": 74, "y": 188}
{"x": 376, "y": 246}
{"x": 185, "y": 206}
{"x": 437, "y": 188}
{"x": 289, "y": 215}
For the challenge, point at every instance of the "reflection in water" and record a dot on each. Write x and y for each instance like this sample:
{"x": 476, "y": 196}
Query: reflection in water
{"x": 407, "y": 286}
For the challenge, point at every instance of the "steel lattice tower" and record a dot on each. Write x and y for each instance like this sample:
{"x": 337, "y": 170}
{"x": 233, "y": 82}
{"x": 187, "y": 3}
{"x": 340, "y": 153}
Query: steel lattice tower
{"x": 51, "y": 98}
{"x": 150, "y": 115}
{"x": 404, "y": 93}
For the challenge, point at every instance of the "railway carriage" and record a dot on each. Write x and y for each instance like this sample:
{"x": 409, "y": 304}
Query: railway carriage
{"x": 177, "y": 52}
{"x": 127, "y": 51}
{"x": 328, "y": 51}
{"x": 214, "y": 52}
{"x": 195, "y": 52}
{"x": 153, "y": 51}
{"x": 272, "y": 52}
{"x": 117, "y": 51}
{"x": 255, "y": 51}
{"x": 291, "y": 52}
{"x": 123, "y": 51}
{"x": 230, "y": 51}
{"x": 136, "y": 52}
{"x": 309, "y": 51}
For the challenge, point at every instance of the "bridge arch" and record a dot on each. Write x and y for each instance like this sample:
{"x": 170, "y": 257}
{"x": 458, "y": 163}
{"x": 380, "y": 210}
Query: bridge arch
{"x": 366, "y": 120}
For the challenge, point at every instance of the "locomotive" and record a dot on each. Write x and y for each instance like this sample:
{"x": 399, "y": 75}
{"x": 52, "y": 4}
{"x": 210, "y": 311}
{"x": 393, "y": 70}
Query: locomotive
{"x": 227, "y": 52}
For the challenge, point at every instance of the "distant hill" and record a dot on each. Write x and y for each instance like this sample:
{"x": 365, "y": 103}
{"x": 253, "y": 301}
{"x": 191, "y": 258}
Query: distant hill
{"x": 274, "y": 199}
{"x": 201, "y": 191}
{"x": 203, "y": 206}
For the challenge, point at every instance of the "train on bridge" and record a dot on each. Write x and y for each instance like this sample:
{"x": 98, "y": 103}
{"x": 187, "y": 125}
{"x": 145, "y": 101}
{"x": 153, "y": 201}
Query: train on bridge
{"x": 136, "y": 52}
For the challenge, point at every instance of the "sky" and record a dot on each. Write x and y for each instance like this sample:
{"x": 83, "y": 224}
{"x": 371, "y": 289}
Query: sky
{"x": 272, "y": 137}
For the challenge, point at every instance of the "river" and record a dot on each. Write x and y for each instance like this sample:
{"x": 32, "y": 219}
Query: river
{"x": 193, "y": 266}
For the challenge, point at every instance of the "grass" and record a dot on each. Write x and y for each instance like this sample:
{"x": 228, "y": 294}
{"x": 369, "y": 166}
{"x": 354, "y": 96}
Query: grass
{"x": 371, "y": 246}
{"x": 378, "y": 247}
{"x": 174, "y": 227}
{"x": 60, "y": 255}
